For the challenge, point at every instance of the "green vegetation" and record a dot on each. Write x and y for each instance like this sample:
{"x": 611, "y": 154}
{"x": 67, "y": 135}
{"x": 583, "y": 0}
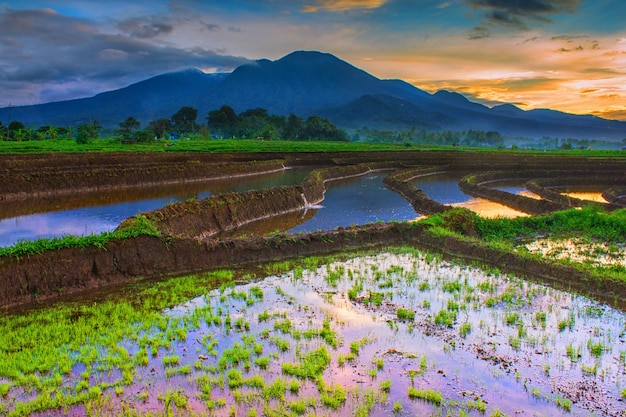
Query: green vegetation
{"x": 139, "y": 226}
{"x": 591, "y": 223}
{"x": 405, "y": 315}
{"x": 426, "y": 394}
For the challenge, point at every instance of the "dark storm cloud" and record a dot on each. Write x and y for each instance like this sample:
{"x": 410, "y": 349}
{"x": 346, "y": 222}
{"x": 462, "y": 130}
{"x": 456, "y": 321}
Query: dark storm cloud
{"x": 43, "y": 47}
{"x": 517, "y": 13}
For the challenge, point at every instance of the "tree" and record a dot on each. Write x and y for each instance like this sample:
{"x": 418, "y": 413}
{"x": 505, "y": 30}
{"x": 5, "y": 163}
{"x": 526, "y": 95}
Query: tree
{"x": 14, "y": 127}
{"x": 223, "y": 120}
{"x": 88, "y": 132}
{"x": 127, "y": 127}
{"x": 142, "y": 136}
{"x": 317, "y": 128}
{"x": 160, "y": 127}
{"x": 184, "y": 120}
{"x": 52, "y": 132}
{"x": 293, "y": 129}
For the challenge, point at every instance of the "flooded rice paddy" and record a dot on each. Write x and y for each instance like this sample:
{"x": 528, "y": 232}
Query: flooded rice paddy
{"x": 444, "y": 189}
{"x": 105, "y": 211}
{"x": 357, "y": 202}
{"x": 396, "y": 333}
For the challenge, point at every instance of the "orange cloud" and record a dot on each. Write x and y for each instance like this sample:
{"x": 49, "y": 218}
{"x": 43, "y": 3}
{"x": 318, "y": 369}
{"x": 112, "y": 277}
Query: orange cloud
{"x": 342, "y": 5}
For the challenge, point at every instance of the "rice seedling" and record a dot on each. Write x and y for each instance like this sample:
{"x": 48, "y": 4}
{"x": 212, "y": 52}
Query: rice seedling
{"x": 427, "y": 394}
{"x": 275, "y": 390}
{"x": 465, "y": 329}
{"x": 311, "y": 364}
{"x": 333, "y": 397}
{"x": 405, "y": 315}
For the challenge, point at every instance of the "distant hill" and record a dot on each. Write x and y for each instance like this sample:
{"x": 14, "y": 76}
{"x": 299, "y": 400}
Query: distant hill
{"x": 309, "y": 83}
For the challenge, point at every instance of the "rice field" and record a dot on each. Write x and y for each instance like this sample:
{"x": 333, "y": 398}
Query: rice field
{"x": 398, "y": 332}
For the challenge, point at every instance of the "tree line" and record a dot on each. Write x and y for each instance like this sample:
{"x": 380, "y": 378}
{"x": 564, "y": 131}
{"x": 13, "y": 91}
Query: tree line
{"x": 414, "y": 136}
{"x": 220, "y": 123}
{"x": 224, "y": 122}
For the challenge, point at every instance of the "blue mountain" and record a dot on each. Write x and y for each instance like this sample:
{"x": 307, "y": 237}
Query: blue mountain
{"x": 309, "y": 83}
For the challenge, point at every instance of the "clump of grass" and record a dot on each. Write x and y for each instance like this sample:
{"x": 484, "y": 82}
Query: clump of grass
{"x": 405, "y": 315}
{"x": 564, "y": 403}
{"x": 170, "y": 360}
{"x": 427, "y": 394}
{"x": 385, "y": 386}
{"x": 445, "y": 318}
{"x": 333, "y": 397}
{"x": 465, "y": 329}
{"x": 311, "y": 365}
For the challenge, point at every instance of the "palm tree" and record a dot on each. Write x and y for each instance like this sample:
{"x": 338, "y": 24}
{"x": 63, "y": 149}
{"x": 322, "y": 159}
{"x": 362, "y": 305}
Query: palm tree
{"x": 52, "y": 132}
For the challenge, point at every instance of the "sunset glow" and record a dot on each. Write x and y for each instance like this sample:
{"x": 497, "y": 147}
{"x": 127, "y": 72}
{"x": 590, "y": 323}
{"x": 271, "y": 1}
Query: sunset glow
{"x": 568, "y": 55}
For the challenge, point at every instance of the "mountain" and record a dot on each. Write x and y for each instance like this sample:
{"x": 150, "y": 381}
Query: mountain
{"x": 157, "y": 97}
{"x": 309, "y": 83}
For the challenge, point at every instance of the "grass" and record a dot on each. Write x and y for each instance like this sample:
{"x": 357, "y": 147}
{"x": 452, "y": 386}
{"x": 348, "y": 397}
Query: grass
{"x": 140, "y": 226}
{"x": 154, "y": 324}
{"x": 311, "y": 364}
{"x": 426, "y": 394}
{"x": 211, "y": 146}
{"x": 591, "y": 224}
{"x": 405, "y": 315}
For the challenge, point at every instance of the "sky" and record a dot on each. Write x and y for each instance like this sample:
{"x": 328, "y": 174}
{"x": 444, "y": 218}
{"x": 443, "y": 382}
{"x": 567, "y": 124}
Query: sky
{"x": 568, "y": 55}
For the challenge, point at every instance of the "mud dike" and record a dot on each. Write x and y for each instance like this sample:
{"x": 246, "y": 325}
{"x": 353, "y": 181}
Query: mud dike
{"x": 190, "y": 231}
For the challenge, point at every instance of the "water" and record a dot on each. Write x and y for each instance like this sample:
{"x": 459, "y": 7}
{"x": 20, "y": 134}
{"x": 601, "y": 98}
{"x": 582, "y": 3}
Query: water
{"x": 357, "y": 202}
{"x": 526, "y": 350}
{"x": 442, "y": 188}
{"x": 104, "y": 212}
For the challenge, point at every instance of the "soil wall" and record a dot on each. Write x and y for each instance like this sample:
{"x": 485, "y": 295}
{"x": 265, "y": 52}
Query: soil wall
{"x": 226, "y": 212}
{"x": 551, "y": 188}
{"x": 400, "y": 182}
{"x": 32, "y": 278}
{"x": 474, "y": 185}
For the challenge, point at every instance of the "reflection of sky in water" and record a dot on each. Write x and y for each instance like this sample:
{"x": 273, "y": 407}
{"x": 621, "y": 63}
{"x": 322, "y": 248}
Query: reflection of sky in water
{"x": 442, "y": 189}
{"x": 512, "y": 189}
{"x": 364, "y": 200}
{"x": 103, "y": 218}
{"x": 82, "y": 221}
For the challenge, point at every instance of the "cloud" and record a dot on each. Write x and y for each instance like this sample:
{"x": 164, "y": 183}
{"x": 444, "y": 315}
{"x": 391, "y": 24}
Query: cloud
{"x": 517, "y": 13}
{"x": 611, "y": 114}
{"x": 479, "y": 32}
{"x": 46, "y": 53}
{"x": 342, "y": 5}
{"x": 145, "y": 29}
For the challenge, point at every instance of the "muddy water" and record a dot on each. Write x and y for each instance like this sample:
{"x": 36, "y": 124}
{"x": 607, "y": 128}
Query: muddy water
{"x": 105, "y": 211}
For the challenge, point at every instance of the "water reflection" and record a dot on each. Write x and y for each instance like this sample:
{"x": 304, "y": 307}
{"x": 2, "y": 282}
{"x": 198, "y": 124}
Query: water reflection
{"x": 104, "y": 211}
{"x": 443, "y": 188}
{"x": 356, "y": 202}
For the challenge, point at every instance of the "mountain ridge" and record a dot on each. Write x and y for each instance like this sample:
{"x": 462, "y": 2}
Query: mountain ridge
{"x": 309, "y": 83}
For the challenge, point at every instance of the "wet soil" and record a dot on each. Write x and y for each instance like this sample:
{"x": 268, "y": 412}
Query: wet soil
{"x": 188, "y": 228}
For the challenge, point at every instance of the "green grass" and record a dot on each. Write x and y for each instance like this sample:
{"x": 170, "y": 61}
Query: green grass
{"x": 199, "y": 145}
{"x": 591, "y": 223}
{"x": 139, "y": 226}
{"x": 427, "y": 394}
{"x": 311, "y": 364}
{"x": 405, "y": 315}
